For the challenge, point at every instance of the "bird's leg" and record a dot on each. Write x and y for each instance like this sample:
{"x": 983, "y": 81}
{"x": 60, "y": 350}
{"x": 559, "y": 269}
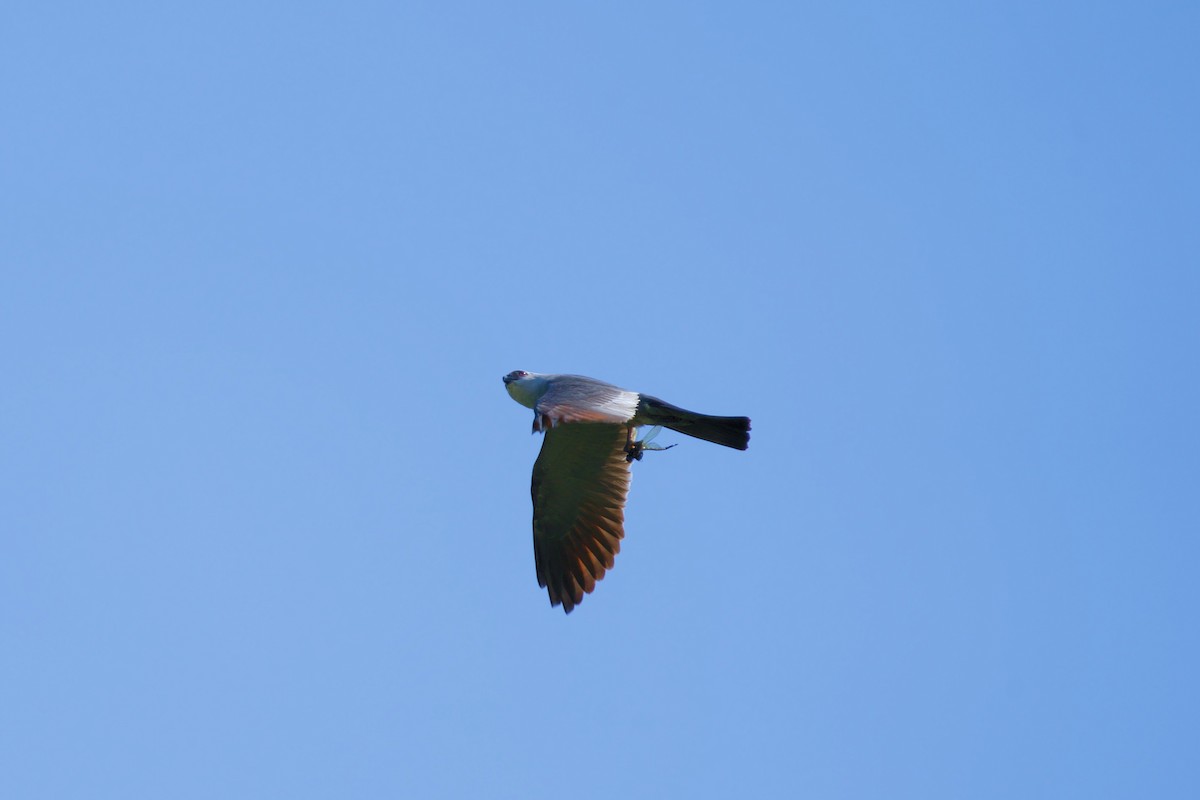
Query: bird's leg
{"x": 633, "y": 449}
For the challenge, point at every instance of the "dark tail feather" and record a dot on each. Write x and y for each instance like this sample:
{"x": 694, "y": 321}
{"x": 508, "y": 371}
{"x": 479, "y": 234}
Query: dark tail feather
{"x": 730, "y": 431}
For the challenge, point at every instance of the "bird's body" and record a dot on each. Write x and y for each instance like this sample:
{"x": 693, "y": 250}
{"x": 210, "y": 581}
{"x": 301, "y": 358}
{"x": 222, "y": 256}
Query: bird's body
{"x": 581, "y": 476}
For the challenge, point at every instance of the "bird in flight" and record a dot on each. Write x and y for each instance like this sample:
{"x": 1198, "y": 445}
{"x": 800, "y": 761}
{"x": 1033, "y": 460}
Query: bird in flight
{"x": 581, "y": 476}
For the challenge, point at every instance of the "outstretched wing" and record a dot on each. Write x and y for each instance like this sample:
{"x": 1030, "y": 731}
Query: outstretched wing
{"x": 580, "y": 482}
{"x": 575, "y": 398}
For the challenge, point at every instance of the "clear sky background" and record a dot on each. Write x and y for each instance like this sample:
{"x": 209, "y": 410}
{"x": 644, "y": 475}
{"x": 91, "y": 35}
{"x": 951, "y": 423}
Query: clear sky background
{"x": 264, "y": 503}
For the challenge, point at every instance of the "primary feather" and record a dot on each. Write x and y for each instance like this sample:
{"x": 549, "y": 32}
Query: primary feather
{"x": 580, "y": 482}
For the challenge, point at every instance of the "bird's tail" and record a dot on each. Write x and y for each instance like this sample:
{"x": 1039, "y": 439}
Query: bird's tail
{"x": 730, "y": 431}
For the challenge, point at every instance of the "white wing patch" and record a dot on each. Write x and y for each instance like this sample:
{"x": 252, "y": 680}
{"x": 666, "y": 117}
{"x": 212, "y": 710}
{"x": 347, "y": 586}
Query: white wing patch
{"x": 574, "y": 398}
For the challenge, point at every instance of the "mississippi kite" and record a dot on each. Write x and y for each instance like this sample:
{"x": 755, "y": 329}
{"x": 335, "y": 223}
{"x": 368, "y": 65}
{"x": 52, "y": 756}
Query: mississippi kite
{"x": 581, "y": 476}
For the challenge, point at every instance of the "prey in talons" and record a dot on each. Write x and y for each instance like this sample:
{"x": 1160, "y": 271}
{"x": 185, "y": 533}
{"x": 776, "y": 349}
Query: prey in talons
{"x": 634, "y": 450}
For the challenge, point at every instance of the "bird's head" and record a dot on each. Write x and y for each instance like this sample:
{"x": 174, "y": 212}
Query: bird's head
{"x": 525, "y": 387}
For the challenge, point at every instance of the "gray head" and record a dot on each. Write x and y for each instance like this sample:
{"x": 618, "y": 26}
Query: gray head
{"x": 525, "y": 387}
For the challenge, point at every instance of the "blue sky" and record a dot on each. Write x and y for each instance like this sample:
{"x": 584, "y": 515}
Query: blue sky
{"x": 264, "y": 504}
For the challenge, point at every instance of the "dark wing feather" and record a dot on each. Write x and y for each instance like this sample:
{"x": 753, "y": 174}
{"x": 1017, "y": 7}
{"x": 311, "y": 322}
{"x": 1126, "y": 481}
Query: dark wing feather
{"x": 580, "y": 482}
